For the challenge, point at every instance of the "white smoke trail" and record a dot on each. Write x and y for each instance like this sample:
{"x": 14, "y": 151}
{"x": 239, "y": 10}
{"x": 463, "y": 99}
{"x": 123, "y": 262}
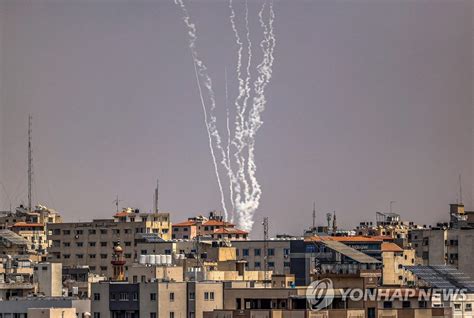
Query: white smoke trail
{"x": 239, "y": 136}
{"x": 229, "y": 170}
{"x": 265, "y": 72}
{"x": 244, "y": 201}
{"x": 201, "y": 72}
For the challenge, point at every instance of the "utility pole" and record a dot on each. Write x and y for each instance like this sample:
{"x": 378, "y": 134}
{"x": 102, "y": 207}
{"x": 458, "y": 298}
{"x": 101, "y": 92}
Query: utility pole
{"x": 314, "y": 216}
{"x": 265, "y": 249}
{"x": 30, "y": 164}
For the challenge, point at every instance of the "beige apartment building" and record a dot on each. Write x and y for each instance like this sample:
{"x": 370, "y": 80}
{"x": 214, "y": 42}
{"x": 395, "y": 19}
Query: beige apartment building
{"x": 91, "y": 243}
{"x": 157, "y": 299}
{"x": 445, "y": 246}
{"x": 394, "y": 260}
{"x": 252, "y": 251}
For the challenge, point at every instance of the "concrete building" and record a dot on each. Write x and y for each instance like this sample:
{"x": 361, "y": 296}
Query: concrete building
{"x": 20, "y": 307}
{"x": 90, "y": 243}
{"x": 52, "y": 313}
{"x": 252, "y": 251}
{"x": 34, "y": 233}
{"x": 442, "y": 245}
{"x": 13, "y": 244}
{"x": 212, "y": 226}
{"x": 394, "y": 260}
{"x": 77, "y": 281}
{"x": 155, "y": 299}
{"x": 48, "y": 278}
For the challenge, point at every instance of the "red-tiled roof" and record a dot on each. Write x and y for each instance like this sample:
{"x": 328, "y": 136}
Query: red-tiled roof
{"x": 121, "y": 214}
{"x": 382, "y": 237}
{"x": 229, "y": 231}
{"x": 391, "y": 247}
{"x": 217, "y": 223}
{"x": 184, "y": 224}
{"x": 344, "y": 239}
{"x": 24, "y": 224}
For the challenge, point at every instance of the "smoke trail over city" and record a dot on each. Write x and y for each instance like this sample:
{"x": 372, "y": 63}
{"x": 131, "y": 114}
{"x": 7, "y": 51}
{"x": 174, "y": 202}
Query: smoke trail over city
{"x": 237, "y": 158}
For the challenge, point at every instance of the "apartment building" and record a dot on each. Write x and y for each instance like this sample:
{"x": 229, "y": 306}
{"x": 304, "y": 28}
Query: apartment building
{"x": 212, "y": 226}
{"x": 157, "y": 299}
{"x": 91, "y": 243}
{"x": 442, "y": 245}
{"x": 23, "y": 307}
{"x": 394, "y": 260}
{"x": 34, "y": 233}
{"x": 40, "y": 214}
{"x": 252, "y": 251}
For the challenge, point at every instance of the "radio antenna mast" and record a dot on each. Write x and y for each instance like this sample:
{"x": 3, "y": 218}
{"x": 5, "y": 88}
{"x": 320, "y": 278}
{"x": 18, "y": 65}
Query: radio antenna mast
{"x": 156, "y": 196}
{"x": 30, "y": 164}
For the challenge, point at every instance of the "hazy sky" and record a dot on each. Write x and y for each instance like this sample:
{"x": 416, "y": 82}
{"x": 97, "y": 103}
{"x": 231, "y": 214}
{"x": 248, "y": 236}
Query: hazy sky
{"x": 371, "y": 101}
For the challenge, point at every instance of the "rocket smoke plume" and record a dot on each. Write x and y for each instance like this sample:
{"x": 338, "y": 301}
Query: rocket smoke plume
{"x": 237, "y": 157}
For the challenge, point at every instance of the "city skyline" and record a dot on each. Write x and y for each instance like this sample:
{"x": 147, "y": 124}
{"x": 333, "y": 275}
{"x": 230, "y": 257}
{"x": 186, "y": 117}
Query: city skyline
{"x": 373, "y": 106}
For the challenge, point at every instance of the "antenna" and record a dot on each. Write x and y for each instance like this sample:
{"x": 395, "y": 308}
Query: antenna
{"x": 156, "y": 196}
{"x": 334, "y": 224}
{"x": 265, "y": 249}
{"x": 460, "y": 189}
{"x": 314, "y": 215}
{"x": 391, "y": 205}
{"x": 30, "y": 163}
{"x": 116, "y": 201}
{"x": 328, "y": 219}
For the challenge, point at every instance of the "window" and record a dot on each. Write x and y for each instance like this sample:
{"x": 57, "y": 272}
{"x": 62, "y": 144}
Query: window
{"x": 171, "y": 314}
{"x": 116, "y": 231}
{"x": 286, "y": 251}
{"x": 192, "y": 295}
{"x": 66, "y": 232}
{"x": 457, "y": 307}
{"x": 66, "y": 256}
{"x": 387, "y": 304}
{"x": 468, "y": 307}
{"x": 91, "y": 244}
{"x": 91, "y": 255}
{"x": 256, "y": 265}
{"x": 422, "y": 304}
{"x": 123, "y": 297}
{"x": 256, "y": 252}
{"x": 271, "y": 252}
{"x": 153, "y": 315}
{"x": 128, "y": 255}
{"x": 96, "y": 314}
{"x": 153, "y": 296}
{"x": 127, "y": 231}
{"x": 79, "y": 244}
{"x": 135, "y": 296}
{"x": 171, "y": 296}
{"x": 92, "y": 232}
{"x": 103, "y": 256}
{"x": 406, "y": 304}
{"x": 271, "y": 264}
{"x": 103, "y": 268}
{"x": 96, "y": 296}
{"x": 211, "y": 295}
{"x": 128, "y": 243}
{"x": 103, "y": 244}
{"x": 206, "y": 296}
{"x": 103, "y": 231}
{"x": 245, "y": 252}
{"x": 79, "y": 232}
{"x": 287, "y": 264}
{"x": 66, "y": 244}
